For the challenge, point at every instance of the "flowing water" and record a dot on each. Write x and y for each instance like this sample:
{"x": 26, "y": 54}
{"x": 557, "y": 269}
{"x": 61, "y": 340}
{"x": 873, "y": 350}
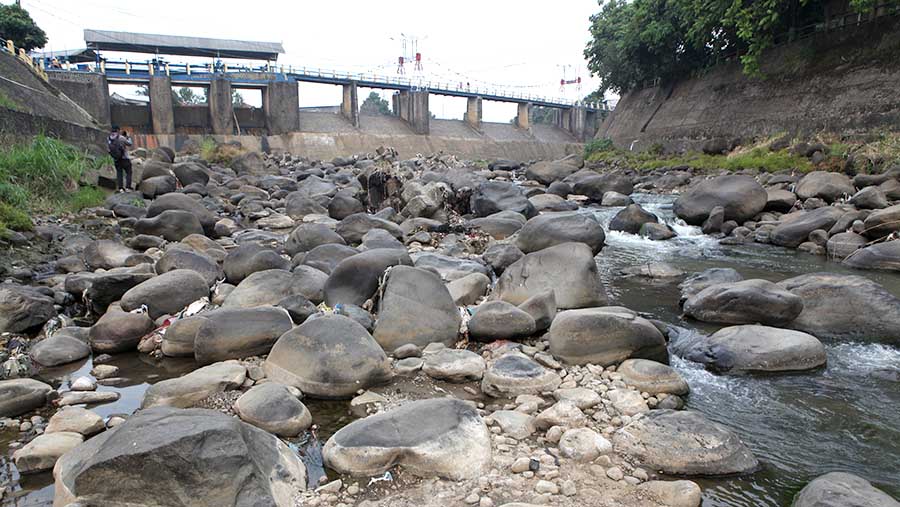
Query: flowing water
{"x": 840, "y": 418}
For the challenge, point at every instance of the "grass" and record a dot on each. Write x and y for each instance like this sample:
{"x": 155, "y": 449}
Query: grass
{"x": 43, "y": 176}
{"x": 7, "y": 102}
{"x": 757, "y": 159}
{"x": 216, "y": 153}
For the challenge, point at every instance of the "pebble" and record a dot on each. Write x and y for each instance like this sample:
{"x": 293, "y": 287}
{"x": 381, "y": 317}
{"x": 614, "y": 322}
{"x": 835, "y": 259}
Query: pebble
{"x": 333, "y": 487}
{"x": 84, "y": 384}
{"x": 485, "y": 502}
{"x": 472, "y": 499}
{"x": 104, "y": 371}
{"x": 520, "y": 465}
{"x": 568, "y": 488}
{"x": 615, "y": 473}
{"x": 543, "y": 486}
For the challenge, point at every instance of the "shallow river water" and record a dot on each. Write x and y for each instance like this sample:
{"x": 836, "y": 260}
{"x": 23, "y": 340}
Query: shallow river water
{"x": 843, "y": 417}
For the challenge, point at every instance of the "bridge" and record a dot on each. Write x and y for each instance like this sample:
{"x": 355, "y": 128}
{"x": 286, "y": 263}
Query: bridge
{"x": 88, "y": 84}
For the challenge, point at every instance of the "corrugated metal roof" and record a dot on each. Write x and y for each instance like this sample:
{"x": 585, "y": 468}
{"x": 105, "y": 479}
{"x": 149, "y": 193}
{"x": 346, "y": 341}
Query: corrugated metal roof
{"x": 181, "y": 45}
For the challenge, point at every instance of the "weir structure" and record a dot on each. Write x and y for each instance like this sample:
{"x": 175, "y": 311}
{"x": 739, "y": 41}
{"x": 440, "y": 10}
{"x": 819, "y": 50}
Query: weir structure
{"x": 88, "y": 85}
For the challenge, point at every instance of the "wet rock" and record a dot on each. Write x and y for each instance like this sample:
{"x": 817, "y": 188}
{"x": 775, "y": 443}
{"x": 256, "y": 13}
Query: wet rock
{"x": 355, "y": 279}
{"x": 499, "y": 320}
{"x": 568, "y": 269}
{"x": 269, "y": 287}
{"x": 493, "y": 196}
{"x": 274, "y": 408}
{"x": 550, "y": 229}
{"x": 167, "y": 293}
{"x": 21, "y": 395}
{"x": 612, "y": 198}
{"x": 75, "y": 420}
{"x": 186, "y": 391}
{"x": 41, "y": 453}
{"x": 239, "y": 465}
{"x": 439, "y": 437}
{"x": 583, "y": 444}
{"x": 23, "y": 308}
{"x": 514, "y": 374}
{"x": 605, "y": 336}
{"x": 119, "y": 331}
{"x": 656, "y": 232}
{"x": 845, "y": 306}
{"x": 840, "y": 489}
{"x": 883, "y": 256}
{"x": 744, "y": 302}
{"x": 177, "y": 258}
{"x": 652, "y": 377}
{"x": 824, "y": 185}
{"x": 674, "y": 493}
{"x": 707, "y": 278}
{"x": 245, "y": 260}
{"x": 328, "y": 357}
{"x": 761, "y": 348}
{"x": 796, "y": 230}
{"x": 654, "y": 270}
{"x": 65, "y": 346}
{"x": 106, "y": 288}
{"x": 684, "y": 443}
{"x": 468, "y": 289}
{"x": 173, "y": 225}
{"x": 741, "y": 197}
{"x": 844, "y": 244}
{"x": 415, "y": 308}
{"x": 454, "y": 365}
{"x": 631, "y": 219}
{"x": 239, "y": 332}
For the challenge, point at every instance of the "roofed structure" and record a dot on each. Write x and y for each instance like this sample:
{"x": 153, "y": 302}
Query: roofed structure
{"x": 181, "y": 45}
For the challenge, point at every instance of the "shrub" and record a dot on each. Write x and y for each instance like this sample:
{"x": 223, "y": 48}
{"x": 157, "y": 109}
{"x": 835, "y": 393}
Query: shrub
{"x": 597, "y": 146}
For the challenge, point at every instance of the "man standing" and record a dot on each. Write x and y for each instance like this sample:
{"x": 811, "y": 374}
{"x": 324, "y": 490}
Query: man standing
{"x": 118, "y": 144}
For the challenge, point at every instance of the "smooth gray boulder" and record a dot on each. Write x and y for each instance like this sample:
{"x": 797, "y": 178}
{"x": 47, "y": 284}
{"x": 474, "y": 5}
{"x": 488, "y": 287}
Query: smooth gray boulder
{"x": 21, "y": 395}
{"x": 883, "y": 222}
{"x": 107, "y": 288}
{"x": 448, "y": 267}
{"x": 683, "y": 442}
{"x": 593, "y": 185}
{"x": 500, "y": 225}
{"x": 631, "y": 219}
{"x": 792, "y": 232}
{"x": 468, "y": 289}
{"x": 500, "y": 256}
{"x": 438, "y": 437}
{"x": 844, "y": 307}
{"x": 499, "y": 320}
{"x": 174, "y": 457}
{"x": 416, "y": 308}
{"x": 275, "y": 408}
{"x": 780, "y": 200}
{"x": 827, "y": 186}
{"x": 869, "y": 198}
{"x": 546, "y": 172}
{"x": 41, "y": 454}
{"x": 758, "y": 348}
{"x": 186, "y": 391}
{"x": 549, "y": 229}
{"x": 308, "y": 236}
{"x": 707, "y": 278}
{"x": 568, "y": 269}
{"x": 454, "y": 365}
{"x": 234, "y": 333}
{"x": 326, "y": 257}
{"x": 354, "y": 227}
{"x": 652, "y": 377}
{"x": 542, "y": 308}
{"x": 514, "y": 374}
{"x": 245, "y": 260}
{"x": 840, "y": 489}
{"x": 744, "y": 302}
{"x": 119, "y": 331}
{"x": 355, "y": 279}
{"x": 269, "y": 287}
{"x": 179, "y": 258}
{"x": 741, "y": 197}
{"x": 494, "y": 196}
{"x": 843, "y": 244}
{"x": 173, "y": 225}
{"x": 331, "y": 356}
{"x": 883, "y": 256}
{"x": 167, "y": 293}
{"x": 605, "y": 336}
{"x": 106, "y": 254}
{"x": 23, "y": 308}
{"x": 65, "y": 346}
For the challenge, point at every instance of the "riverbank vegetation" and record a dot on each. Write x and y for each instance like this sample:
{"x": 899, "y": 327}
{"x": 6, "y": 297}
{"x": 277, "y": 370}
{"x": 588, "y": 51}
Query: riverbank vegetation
{"x": 43, "y": 176}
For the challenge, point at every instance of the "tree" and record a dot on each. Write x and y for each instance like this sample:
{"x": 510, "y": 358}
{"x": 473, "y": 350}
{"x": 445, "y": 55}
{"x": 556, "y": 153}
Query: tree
{"x": 16, "y": 25}
{"x": 186, "y": 96}
{"x": 374, "y": 104}
{"x": 237, "y": 100}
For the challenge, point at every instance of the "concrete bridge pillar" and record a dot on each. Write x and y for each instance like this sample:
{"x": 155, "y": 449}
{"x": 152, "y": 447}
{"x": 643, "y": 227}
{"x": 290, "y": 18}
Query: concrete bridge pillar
{"x": 89, "y": 90}
{"x": 419, "y": 115}
{"x": 350, "y": 103}
{"x": 564, "y": 120}
{"x": 221, "y": 107}
{"x": 282, "y": 107}
{"x": 579, "y": 117}
{"x": 522, "y": 119}
{"x": 473, "y": 113}
{"x": 162, "y": 113}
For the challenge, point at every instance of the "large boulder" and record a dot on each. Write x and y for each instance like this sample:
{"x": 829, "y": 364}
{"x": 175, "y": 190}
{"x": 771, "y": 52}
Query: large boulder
{"x": 355, "y": 279}
{"x": 499, "y": 320}
{"x": 796, "y": 230}
{"x": 840, "y": 489}
{"x": 652, "y": 377}
{"x": 183, "y": 258}
{"x": 189, "y": 173}
{"x": 514, "y": 374}
{"x": 493, "y": 196}
{"x": 744, "y": 302}
{"x": 186, "y": 391}
{"x": 741, "y": 197}
{"x": 758, "y": 348}
{"x": 549, "y": 171}
{"x": 845, "y": 307}
{"x": 780, "y": 200}
{"x": 272, "y": 285}
{"x": 119, "y": 331}
{"x": 883, "y": 222}
{"x": 551, "y": 229}
{"x": 173, "y": 225}
{"x": 707, "y": 278}
{"x": 23, "y": 308}
{"x": 326, "y": 257}
{"x": 631, "y": 219}
{"x": 21, "y": 395}
{"x": 65, "y": 346}
{"x": 234, "y": 333}
{"x": 106, "y": 288}
{"x": 168, "y": 456}
{"x": 568, "y": 269}
{"x": 41, "y": 454}
{"x": 683, "y": 442}
{"x": 605, "y": 336}
{"x": 415, "y": 308}
{"x": 247, "y": 259}
{"x": 354, "y": 227}
{"x": 274, "y": 408}
{"x": 500, "y": 225}
{"x": 827, "y": 186}
{"x": 449, "y": 268}
{"x": 438, "y": 437}
{"x": 843, "y": 244}
{"x": 167, "y": 293}
{"x": 454, "y": 365}
{"x": 184, "y": 202}
{"x": 328, "y": 357}
{"x": 249, "y": 163}
{"x": 884, "y": 256}
{"x": 869, "y": 198}
{"x": 308, "y": 236}
{"x": 106, "y": 254}
{"x": 595, "y": 186}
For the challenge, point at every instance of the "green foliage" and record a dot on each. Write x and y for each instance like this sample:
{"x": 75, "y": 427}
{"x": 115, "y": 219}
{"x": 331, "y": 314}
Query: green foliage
{"x": 596, "y": 146}
{"x": 7, "y": 102}
{"x": 637, "y": 42}
{"x": 237, "y": 100}
{"x": 86, "y": 197}
{"x": 756, "y": 159}
{"x": 216, "y": 153}
{"x": 16, "y": 25}
{"x": 187, "y": 96}
{"x": 374, "y": 104}
{"x": 13, "y": 218}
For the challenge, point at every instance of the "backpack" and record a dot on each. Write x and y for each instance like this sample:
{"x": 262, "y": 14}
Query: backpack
{"x": 116, "y": 148}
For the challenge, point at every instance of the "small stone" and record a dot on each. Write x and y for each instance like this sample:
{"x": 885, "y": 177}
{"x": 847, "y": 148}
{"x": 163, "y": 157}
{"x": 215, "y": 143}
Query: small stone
{"x": 25, "y": 426}
{"x": 548, "y": 487}
{"x": 84, "y": 384}
{"x": 520, "y": 465}
{"x": 333, "y": 487}
{"x": 555, "y": 433}
{"x": 102, "y": 371}
{"x": 485, "y": 502}
{"x": 353, "y": 490}
{"x": 615, "y": 473}
{"x": 255, "y": 373}
{"x": 568, "y": 488}
{"x": 472, "y": 499}
{"x": 406, "y": 351}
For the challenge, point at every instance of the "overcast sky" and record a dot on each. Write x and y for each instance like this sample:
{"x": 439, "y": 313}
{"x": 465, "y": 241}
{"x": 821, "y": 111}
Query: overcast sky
{"x": 486, "y": 42}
